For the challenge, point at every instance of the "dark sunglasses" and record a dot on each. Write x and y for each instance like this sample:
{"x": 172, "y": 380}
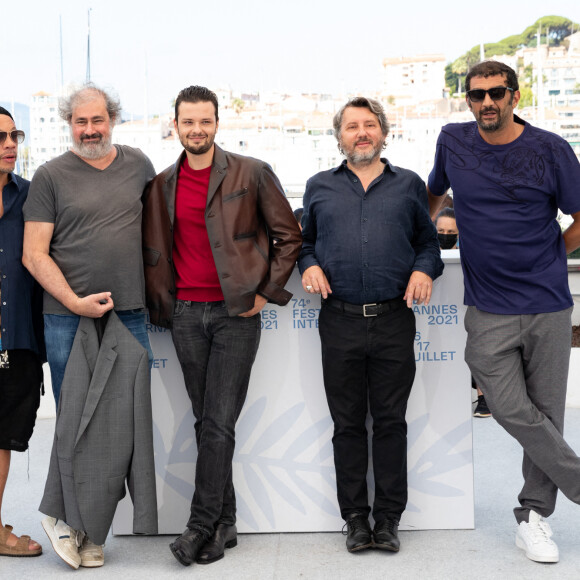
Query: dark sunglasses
{"x": 16, "y": 136}
{"x": 495, "y": 94}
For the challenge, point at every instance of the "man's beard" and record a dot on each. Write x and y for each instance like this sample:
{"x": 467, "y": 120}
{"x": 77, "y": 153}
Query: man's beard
{"x": 93, "y": 151}
{"x": 501, "y": 119}
{"x": 197, "y": 149}
{"x": 490, "y": 126}
{"x": 363, "y": 158}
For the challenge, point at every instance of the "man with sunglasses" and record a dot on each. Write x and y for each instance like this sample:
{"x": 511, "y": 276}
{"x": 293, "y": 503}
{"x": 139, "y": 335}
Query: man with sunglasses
{"x": 21, "y": 339}
{"x": 509, "y": 179}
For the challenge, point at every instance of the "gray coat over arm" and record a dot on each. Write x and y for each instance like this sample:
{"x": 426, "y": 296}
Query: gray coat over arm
{"x": 103, "y": 434}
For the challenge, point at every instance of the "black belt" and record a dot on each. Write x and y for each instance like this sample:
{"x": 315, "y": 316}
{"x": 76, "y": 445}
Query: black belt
{"x": 366, "y": 310}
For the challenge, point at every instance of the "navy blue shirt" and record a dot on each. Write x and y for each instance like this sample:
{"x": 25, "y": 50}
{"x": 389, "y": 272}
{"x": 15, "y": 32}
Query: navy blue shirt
{"x": 368, "y": 243}
{"x": 21, "y": 297}
{"x": 506, "y": 199}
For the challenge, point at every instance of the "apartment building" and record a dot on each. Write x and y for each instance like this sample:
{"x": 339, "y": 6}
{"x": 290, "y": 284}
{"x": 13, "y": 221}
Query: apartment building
{"x": 49, "y": 134}
{"x": 560, "y": 72}
{"x": 414, "y": 79}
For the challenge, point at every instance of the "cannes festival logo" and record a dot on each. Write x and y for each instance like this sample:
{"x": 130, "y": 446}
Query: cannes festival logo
{"x": 287, "y": 477}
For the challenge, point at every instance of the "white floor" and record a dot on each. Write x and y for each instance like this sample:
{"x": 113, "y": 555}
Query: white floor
{"x": 486, "y": 552}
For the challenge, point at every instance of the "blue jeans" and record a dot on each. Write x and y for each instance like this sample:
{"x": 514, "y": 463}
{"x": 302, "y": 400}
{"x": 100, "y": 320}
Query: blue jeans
{"x": 59, "y": 335}
{"x": 216, "y": 353}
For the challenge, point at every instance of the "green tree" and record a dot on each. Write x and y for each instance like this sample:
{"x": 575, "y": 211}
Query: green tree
{"x": 557, "y": 27}
{"x": 450, "y": 77}
{"x": 238, "y": 105}
{"x": 526, "y": 96}
{"x": 455, "y": 71}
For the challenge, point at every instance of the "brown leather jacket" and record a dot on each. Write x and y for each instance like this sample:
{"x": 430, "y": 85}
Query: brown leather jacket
{"x": 246, "y": 212}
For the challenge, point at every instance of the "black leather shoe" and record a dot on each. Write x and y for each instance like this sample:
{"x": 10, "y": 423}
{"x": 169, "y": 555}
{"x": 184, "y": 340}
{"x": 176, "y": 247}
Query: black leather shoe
{"x": 386, "y": 535}
{"x": 224, "y": 537}
{"x": 187, "y": 546}
{"x": 358, "y": 534}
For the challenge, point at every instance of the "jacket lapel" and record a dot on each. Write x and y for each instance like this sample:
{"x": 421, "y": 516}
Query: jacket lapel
{"x": 105, "y": 356}
{"x": 218, "y": 172}
{"x": 170, "y": 186}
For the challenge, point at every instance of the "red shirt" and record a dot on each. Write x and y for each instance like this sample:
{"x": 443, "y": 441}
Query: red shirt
{"x": 196, "y": 276}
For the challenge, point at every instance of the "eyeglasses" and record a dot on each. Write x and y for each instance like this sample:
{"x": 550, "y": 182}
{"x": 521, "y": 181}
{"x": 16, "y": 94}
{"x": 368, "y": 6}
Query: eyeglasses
{"x": 495, "y": 94}
{"x": 16, "y": 136}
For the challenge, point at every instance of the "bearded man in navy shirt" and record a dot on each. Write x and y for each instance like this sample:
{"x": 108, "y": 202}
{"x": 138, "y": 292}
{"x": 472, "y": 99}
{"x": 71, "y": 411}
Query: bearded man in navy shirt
{"x": 509, "y": 179}
{"x": 371, "y": 250}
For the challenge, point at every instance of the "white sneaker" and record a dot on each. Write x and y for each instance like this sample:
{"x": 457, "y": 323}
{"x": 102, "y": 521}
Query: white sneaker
{"x": 534, "y": 537}
{"x": 64, "y": 540}
{"x": 92, "y": 556}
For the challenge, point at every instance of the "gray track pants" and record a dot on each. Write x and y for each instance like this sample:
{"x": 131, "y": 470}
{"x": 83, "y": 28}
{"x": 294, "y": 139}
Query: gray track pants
{"x": 520, "y": 362}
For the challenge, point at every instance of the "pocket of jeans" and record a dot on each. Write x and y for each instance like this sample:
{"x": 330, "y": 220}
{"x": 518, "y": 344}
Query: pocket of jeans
{"x": 250, "y": 322}
{"x": 179, "y": 308}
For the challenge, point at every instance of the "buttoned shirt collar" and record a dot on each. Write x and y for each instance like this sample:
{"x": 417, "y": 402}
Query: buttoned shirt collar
{"x": 344, "y": 165}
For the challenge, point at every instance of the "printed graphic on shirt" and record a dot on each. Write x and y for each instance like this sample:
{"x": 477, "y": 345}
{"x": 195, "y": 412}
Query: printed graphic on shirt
{"x": 519, "y": 167}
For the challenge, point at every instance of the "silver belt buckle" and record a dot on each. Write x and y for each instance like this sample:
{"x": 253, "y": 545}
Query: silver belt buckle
{"x": 365, "y": 310}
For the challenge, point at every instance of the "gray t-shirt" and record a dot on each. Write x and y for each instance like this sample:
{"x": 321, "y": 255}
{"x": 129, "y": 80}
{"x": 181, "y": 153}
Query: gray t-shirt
{"x": 97, "y": 224}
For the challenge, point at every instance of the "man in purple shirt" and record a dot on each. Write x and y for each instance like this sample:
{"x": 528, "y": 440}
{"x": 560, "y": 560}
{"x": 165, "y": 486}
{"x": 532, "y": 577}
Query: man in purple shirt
{"x": 509, "y": 179}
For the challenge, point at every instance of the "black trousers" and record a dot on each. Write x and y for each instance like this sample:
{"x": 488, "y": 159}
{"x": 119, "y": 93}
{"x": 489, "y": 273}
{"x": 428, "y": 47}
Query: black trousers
{"x": 369, "y": 363}
{"x": 20, "y": 386}
{"x": 216, "y": 353}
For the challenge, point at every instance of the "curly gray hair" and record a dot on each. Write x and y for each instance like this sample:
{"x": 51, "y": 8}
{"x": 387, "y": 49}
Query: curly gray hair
{"x": 362, "y": 102}
{"x": 88, "y": 92}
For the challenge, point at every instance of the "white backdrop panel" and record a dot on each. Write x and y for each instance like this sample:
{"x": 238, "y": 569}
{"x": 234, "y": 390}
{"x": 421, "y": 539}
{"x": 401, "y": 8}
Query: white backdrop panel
{"x": 283, "y": 465}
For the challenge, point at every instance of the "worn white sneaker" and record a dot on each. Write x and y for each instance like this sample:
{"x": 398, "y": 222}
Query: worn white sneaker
{"x": 534, "y": 537}
{"x": 64, "y": 540}
{"x": 92, "y": 556}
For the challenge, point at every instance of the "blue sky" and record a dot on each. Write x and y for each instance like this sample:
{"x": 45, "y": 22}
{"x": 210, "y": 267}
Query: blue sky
{"x": 306, "y": 45}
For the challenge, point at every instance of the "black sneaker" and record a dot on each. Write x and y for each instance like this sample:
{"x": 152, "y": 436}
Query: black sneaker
{"x": 358, "y": 535}
{"x": 481, "y": 409}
